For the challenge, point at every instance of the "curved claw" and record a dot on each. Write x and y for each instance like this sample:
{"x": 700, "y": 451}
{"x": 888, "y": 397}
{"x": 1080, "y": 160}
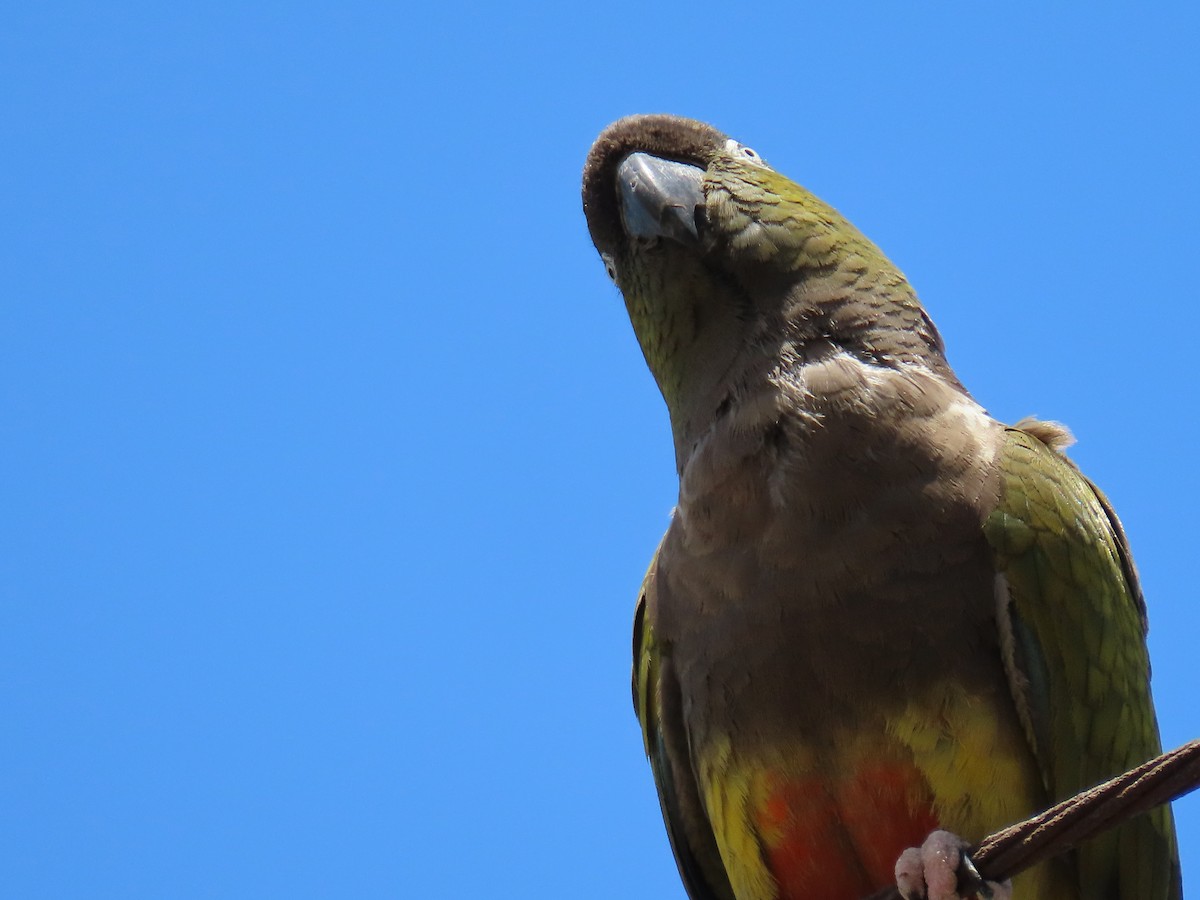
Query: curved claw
{"x": 940, "y": 870}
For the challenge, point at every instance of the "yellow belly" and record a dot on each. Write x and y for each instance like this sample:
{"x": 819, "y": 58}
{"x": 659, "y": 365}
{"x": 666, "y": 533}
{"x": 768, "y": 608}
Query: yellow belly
{"x": 802, "y": 821}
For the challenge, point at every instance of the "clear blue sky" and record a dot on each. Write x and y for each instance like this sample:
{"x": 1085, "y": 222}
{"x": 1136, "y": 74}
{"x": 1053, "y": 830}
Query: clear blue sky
{"x": 331, "y": 465}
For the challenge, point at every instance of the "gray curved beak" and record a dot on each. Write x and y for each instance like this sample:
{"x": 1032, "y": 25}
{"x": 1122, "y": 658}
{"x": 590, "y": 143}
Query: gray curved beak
{"x": 659, "y": 198}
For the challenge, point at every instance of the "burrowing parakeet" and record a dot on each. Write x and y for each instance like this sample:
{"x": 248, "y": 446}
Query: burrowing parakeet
{"x": 876, "y": 611}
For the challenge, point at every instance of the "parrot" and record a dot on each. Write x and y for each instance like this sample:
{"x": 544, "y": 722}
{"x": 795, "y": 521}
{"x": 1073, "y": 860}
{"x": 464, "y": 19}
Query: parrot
{"x": 881, "y": 624}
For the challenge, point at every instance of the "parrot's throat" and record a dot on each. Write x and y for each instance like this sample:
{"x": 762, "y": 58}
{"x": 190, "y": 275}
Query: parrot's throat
{"x": 692, "y": 326}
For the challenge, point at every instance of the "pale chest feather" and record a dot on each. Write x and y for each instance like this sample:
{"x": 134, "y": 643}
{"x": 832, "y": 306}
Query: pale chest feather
{"x": 832, "y": 444}
{"x": 817, "y": 522}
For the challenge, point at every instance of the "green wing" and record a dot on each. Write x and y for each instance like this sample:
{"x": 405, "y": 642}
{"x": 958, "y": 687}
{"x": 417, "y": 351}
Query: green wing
{"x": 656, "y": 700}
{"x": 1073, "y": 629}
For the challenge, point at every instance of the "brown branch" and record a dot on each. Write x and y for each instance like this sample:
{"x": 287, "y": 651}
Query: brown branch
{"x": 1087, "y": 814}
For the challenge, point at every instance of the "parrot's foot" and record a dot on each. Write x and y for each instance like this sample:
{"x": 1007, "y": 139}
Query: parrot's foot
{"x": 939, "y": 870}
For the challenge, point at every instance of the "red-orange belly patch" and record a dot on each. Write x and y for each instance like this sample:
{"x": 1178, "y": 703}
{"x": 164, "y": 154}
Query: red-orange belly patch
{"x": 839, "y": 840}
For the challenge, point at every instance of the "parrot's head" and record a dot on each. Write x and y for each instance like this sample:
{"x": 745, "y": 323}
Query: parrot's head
{"x": 732, "y": 273}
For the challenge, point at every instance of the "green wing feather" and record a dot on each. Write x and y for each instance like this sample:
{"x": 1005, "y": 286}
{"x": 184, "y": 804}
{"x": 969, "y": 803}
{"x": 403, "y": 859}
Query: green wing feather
{"x": 1073, "y": 622}
{"x": 656, "y": 700}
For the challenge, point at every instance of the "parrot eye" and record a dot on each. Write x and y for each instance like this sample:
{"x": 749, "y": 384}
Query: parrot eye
{"x": 610, "y": 267}
{"x": 746, "y": 153}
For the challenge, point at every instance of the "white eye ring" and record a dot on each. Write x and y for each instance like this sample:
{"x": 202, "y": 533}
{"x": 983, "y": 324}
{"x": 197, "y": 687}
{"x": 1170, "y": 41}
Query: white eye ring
{"x": 610, "y": 266}
{"x": 746, "y": 153}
